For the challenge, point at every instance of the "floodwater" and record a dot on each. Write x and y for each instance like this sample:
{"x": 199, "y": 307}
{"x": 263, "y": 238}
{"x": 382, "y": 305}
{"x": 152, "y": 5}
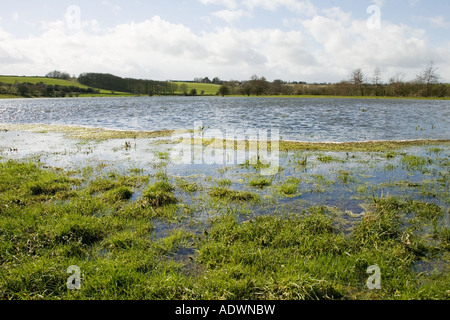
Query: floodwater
{"x": 314, "y": 120}
{"x": 344, "y": 182}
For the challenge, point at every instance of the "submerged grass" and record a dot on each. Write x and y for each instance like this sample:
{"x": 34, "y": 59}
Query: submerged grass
{"x": 86, "y": 133}
{"x": 105, "y": 224}
{"x": 224, "y": 193}
{"x": 160, "y": 194}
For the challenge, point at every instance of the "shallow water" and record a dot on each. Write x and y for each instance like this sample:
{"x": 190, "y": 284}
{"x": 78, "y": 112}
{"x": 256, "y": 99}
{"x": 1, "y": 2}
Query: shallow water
{"x": 316, "y": 120}
{"x": 345, "y": 182}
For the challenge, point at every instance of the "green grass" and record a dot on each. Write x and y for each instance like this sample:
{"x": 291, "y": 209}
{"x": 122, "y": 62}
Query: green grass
{"x": 412, "y": 162}
{"x": 106, "y": 223}
{"x": 160, "y": 194}
{"x": 260, "y": 183}
{"x": 36, "y": 80}
{"x": 223, "y": 193}
{"x": 187, "y": 186}
{"x": 8, "y": 96}
{"x": 299, "y": 249}
{"x": 288, "y": 189}
{"x": 83, "y": 133}
{"x": 51, "y": 81}
{"x": 209, "y": 89}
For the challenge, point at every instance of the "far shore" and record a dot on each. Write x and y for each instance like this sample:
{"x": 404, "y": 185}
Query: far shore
{"x": 10, "y": 96}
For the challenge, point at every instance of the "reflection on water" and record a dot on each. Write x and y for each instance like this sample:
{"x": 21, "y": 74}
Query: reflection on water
{"x": 345, "y": 181}
{"x": 330, "y": 120}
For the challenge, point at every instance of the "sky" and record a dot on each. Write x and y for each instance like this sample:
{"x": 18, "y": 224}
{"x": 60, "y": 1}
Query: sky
{"x": 293, "y": 40}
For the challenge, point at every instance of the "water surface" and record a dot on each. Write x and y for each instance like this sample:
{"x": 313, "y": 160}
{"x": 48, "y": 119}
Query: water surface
{"x": 314, "y": 120}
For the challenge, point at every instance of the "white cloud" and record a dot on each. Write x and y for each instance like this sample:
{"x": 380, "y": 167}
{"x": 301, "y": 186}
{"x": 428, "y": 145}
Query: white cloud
{"x": 321, "y": 48}
{"x": 231, "y": 15}
{"x": 230, "y": 4}
{"x": 304, "y": 7}
{"x": 116, "y": 9}
{"x": 439, "y": 21}
{"x": 379, "y": 3}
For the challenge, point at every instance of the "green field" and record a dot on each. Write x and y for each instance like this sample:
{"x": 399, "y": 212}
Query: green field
{"x": 36, "y": 80}
{"x": 209, "y": 89}
{"x": 54, "y": 82}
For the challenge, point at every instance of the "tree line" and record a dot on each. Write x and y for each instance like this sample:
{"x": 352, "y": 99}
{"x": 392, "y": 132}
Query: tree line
{"x": 135, "y": 86}
{"x": 425, "y": 84}
{"x": 30, "y": 90}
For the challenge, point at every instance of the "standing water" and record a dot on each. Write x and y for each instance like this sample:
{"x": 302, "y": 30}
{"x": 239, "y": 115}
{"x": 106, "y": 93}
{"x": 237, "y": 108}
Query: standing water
{"x": 313, "y": 120}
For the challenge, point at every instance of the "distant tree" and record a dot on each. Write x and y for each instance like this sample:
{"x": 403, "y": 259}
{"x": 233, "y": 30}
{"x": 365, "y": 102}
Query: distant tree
{"x": 216, "y": 80}
{"x": 58, "y": 75}
{"x": 277, "y": 87}
{"x": 172, "y": 87}
{"x": 184, "y": 89}
{"x": 357, "y": 79}
{"x": 377, "y": 80}
{"x": 396, "y": 85}
{"x": 206, "y": 80}
{"x": 24, "y": 89}
{"x": 247, "y": 88}
{"x": 287, "y": 90}
{"x": 194, "y": 92}
{"x": 224, "y": 90}
{"x": 259, "y": 85}
{"x": 428, "y": 78}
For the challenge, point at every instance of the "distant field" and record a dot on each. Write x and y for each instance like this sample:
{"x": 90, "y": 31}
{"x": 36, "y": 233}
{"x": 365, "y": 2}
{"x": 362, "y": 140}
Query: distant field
{"x": 8, "y": 96}
{"x": 35, "y": 80}
{"x": 51, "y": 81}
{"x": 210, "y": 89}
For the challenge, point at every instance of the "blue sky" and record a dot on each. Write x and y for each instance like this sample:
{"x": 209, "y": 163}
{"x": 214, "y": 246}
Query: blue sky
{"x": 295, "y": 40}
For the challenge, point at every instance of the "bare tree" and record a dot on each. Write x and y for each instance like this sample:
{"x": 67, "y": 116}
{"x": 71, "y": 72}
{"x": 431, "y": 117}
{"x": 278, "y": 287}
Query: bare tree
{"x": 377, "y": 80}
{"x": 357, "y": 79}
{"x": 428, "y": 78}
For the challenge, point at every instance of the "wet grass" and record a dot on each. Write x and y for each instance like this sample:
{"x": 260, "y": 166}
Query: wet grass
{"x": 84, "y": 133}
{"x": 260, "y": 183}
{"x": 187, "y": 186}
{"x": 224, "y": 193}
{"x": 307, "y": 255}
{"x": 160, "y": 194}
{"x": 238, "y": 235}
{"x": 288, "y": 189}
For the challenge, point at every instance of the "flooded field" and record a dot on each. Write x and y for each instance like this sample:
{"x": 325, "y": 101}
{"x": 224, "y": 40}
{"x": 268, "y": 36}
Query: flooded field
{"x": 318, "y": 120}
{"x": 160, "y": 228}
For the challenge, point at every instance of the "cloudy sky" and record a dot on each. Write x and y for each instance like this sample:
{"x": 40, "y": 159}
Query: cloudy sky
{"x": 293, "y": 40}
